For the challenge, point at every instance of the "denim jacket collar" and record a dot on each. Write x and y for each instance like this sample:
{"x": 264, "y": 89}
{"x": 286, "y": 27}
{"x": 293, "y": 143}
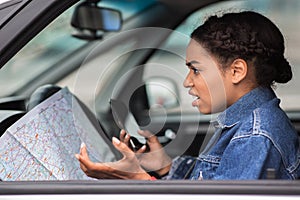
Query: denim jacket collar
{"x": 246, "y": 104}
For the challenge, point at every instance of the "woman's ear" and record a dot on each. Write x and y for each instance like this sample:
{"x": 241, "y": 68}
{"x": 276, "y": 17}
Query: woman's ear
{"x": 238, "y": 70}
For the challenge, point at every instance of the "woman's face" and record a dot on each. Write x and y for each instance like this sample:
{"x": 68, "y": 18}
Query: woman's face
{"x": 205, "y": 80}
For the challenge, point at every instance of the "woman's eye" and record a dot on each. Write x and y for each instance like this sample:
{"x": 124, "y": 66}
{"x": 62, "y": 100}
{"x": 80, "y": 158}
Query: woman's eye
{"x": 196, "y": 71}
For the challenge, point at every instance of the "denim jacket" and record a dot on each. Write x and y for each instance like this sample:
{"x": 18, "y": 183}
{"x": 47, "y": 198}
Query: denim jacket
{"x": 252, "y": 137}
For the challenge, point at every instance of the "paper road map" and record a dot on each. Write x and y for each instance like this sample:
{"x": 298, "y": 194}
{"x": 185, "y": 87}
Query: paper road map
{"x": 42, "y": 144}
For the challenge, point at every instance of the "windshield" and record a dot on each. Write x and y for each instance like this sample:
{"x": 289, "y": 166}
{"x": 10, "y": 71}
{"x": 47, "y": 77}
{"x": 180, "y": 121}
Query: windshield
{"x": 52, "y": 45}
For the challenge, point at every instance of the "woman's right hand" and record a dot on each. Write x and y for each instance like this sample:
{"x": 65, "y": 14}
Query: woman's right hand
{"x": 126, "y": 168}
{"x": 156, "y": 158}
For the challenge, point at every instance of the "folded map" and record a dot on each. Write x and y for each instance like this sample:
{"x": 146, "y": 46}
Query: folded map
{"x": 42, "y": 144}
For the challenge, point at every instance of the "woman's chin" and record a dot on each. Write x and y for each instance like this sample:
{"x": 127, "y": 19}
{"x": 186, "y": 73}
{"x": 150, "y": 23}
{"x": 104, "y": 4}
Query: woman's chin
{"x": 204, "y": 111}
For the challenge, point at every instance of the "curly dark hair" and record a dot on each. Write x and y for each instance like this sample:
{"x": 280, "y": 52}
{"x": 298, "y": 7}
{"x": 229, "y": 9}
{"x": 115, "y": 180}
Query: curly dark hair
{"x": 250, "y": 36}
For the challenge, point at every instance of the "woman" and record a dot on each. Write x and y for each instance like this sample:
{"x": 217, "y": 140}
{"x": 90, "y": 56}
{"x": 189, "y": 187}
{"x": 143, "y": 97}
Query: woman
{"x": 233, "y": 62}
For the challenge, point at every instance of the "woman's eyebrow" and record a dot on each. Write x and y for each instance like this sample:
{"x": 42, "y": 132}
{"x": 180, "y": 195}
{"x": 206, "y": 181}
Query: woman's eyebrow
{"x": 189, "y": 64}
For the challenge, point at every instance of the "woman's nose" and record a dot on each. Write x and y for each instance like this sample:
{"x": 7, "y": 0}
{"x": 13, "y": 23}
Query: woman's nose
{"x": 187, "y": 83}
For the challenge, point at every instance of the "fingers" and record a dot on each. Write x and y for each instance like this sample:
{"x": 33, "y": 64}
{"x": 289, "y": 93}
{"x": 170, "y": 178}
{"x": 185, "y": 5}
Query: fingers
{"x": 125, "y": 137}
{"x": 122, "y": 135}
{"x": 145, "y": 133}
{"x": 83, "y": 151}
{"x": 83, "y": 158}
{"x": 91, "y": 169}
{"x": 122, "y": 147}
{"x": 150, "y": 137}
{"x": 141, "y": 150}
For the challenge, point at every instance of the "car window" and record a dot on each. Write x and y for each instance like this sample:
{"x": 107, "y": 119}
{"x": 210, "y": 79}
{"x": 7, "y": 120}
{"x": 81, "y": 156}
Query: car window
{"x": 128, "y": 8}
{"x": 283, "y": 14}
{"x": 53, "y": 44}
{"x": 90, "y": 78}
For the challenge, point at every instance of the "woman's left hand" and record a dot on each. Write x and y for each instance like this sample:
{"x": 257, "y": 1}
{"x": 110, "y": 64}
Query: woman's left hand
{"x": 126, "y": 168}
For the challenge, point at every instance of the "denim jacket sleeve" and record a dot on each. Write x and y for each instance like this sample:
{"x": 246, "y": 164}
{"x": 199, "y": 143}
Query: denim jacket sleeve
{"x": 181, "y": 168}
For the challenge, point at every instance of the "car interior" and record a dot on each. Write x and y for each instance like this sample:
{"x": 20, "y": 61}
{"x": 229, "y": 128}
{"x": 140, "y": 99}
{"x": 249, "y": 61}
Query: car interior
{"x": 133, "y": 51}
{"x": 88, "y": 31}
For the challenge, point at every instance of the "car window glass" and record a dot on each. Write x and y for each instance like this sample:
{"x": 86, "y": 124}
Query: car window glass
{"x": 95, "y": 72}
{"x": 284, "y": 15}
{"x": 128, "y": 8}
{"x": 55, "y": 43}
{"x": 47, "y": 48}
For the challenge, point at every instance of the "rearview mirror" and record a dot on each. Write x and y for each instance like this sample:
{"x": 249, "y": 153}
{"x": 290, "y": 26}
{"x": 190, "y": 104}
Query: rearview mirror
{"x": 90, "y": 20}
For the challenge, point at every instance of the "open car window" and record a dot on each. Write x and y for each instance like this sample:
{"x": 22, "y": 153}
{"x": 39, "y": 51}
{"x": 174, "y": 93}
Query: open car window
{"x": 284, "y": 15}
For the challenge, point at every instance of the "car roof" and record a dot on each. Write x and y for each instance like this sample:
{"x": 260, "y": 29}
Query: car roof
{"x": 3, "y": 1}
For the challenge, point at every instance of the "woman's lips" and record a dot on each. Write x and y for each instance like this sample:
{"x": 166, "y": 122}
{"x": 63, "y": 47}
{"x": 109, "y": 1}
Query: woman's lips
{"x": 196, "y": 99}
{"x": 195, "y": 103}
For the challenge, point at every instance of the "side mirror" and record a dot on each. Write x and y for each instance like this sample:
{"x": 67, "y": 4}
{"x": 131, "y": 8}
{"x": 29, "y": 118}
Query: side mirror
{"x": 91, "y": 20}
